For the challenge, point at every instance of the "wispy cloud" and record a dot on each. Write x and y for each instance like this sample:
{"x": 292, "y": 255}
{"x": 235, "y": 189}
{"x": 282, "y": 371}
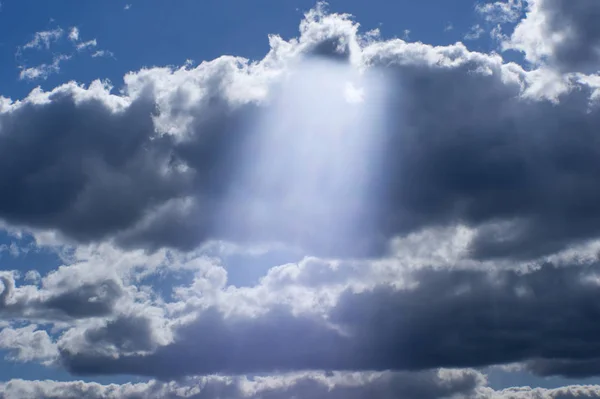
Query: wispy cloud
{"x": 475, "y": 32}
{"x": 44, "y": 38}
{"x": 88, "y": 44}
{"x": 501, "y": 11}
{"x": 103, "y": 53}
{"x": 74, "y": 34}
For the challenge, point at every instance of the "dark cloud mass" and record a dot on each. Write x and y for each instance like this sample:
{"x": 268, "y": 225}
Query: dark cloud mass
{"x": 450, "y": 319}
{"x": 462, "y": 146}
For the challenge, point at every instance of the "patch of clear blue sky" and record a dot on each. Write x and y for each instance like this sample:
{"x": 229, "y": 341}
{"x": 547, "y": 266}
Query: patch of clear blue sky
{"x": 27, "y": 257}
{"x": 168, "y": 32}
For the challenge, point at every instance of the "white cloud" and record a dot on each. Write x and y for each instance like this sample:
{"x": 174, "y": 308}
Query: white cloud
{"x": 560, "y": 33}
{"x": 86, "y": 45}
{"x": 74, "y": 34}
{"x": 102, "y": 53}
{"x": 501, "y": 11}
{"x": 475, "y": 33}
{"x": 44, "y": 70}
{"x": 28, "y": 344}
{"x": 44, "y": 39}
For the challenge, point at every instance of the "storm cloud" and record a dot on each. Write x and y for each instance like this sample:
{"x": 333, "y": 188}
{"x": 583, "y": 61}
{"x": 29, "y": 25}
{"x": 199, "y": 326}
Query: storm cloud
{"x": 467, "y": 139}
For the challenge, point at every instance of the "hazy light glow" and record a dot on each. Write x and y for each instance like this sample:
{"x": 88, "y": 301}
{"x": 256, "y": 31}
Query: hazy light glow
{"x": 307, "y": 167}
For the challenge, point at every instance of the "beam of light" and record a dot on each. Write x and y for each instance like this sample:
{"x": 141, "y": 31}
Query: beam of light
{"x": 304, "y": 179}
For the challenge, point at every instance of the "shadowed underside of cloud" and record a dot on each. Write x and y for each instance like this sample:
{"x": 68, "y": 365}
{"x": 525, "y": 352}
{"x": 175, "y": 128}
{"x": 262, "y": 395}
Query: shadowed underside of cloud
{"x": 466, "y": 139}
{"x": 546, "y": 318}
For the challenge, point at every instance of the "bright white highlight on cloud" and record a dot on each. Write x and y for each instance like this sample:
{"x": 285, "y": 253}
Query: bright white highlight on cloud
{"x": 311, "y": 157}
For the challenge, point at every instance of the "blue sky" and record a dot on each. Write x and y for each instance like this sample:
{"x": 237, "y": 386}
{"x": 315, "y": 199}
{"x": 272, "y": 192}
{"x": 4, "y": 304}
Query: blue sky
{"x": 159, "y": 33}
{"x": 178, "y": 228}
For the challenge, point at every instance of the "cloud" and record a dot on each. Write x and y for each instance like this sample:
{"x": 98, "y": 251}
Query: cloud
{"x": 428, "y": 385}
{"x": 64, "y": 294}
{"x": 102, "y": 53}
{"x": 501, "y": 11}
{"x": 28, "y": 344}
{"x": 562, "y": 33}
{"x": 44, "y": 70}
{"x": 463, "y": 235}
{"x": 475, "y": 32}
{"x": 86, "y": 45}
{"x": 44, "y": 39}
{"x": 491, "y": 147}
{"x": 355, "y": 317}
{"x": 74, "y": 34}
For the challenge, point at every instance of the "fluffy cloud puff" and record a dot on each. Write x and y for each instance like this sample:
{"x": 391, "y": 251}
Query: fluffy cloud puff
{"x": 466, "y": 139}
{"x": 563, "y": 33}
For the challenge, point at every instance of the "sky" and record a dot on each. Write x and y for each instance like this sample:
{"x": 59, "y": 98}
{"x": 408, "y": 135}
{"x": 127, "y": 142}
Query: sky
{"x": 299, "y": 199}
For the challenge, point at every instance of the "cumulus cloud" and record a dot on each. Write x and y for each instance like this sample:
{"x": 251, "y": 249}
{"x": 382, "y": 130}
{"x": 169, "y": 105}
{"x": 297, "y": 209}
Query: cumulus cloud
{"x": 563, "y": 33}
{"x": 418, "y": 320}
{"x": 493, "y": 145}
{"x": 28, "y": 344}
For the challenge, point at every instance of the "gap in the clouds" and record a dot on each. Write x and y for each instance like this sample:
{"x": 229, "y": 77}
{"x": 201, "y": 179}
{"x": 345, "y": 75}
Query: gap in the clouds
{"x": 21, "y": 253}
{"x": 164, "y": 281}
{"x": 246, "y": 270}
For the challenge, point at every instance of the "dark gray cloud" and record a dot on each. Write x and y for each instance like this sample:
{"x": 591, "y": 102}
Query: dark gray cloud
{"x": 449, "y": 319}
{"x": 72, "y": 300}
{"x": 81, "y": 167}
{"x": 462, "y": 145}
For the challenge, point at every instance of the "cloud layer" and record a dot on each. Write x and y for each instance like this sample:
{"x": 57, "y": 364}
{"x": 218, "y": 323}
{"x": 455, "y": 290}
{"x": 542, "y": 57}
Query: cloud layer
{"x": 444, "y": 204}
